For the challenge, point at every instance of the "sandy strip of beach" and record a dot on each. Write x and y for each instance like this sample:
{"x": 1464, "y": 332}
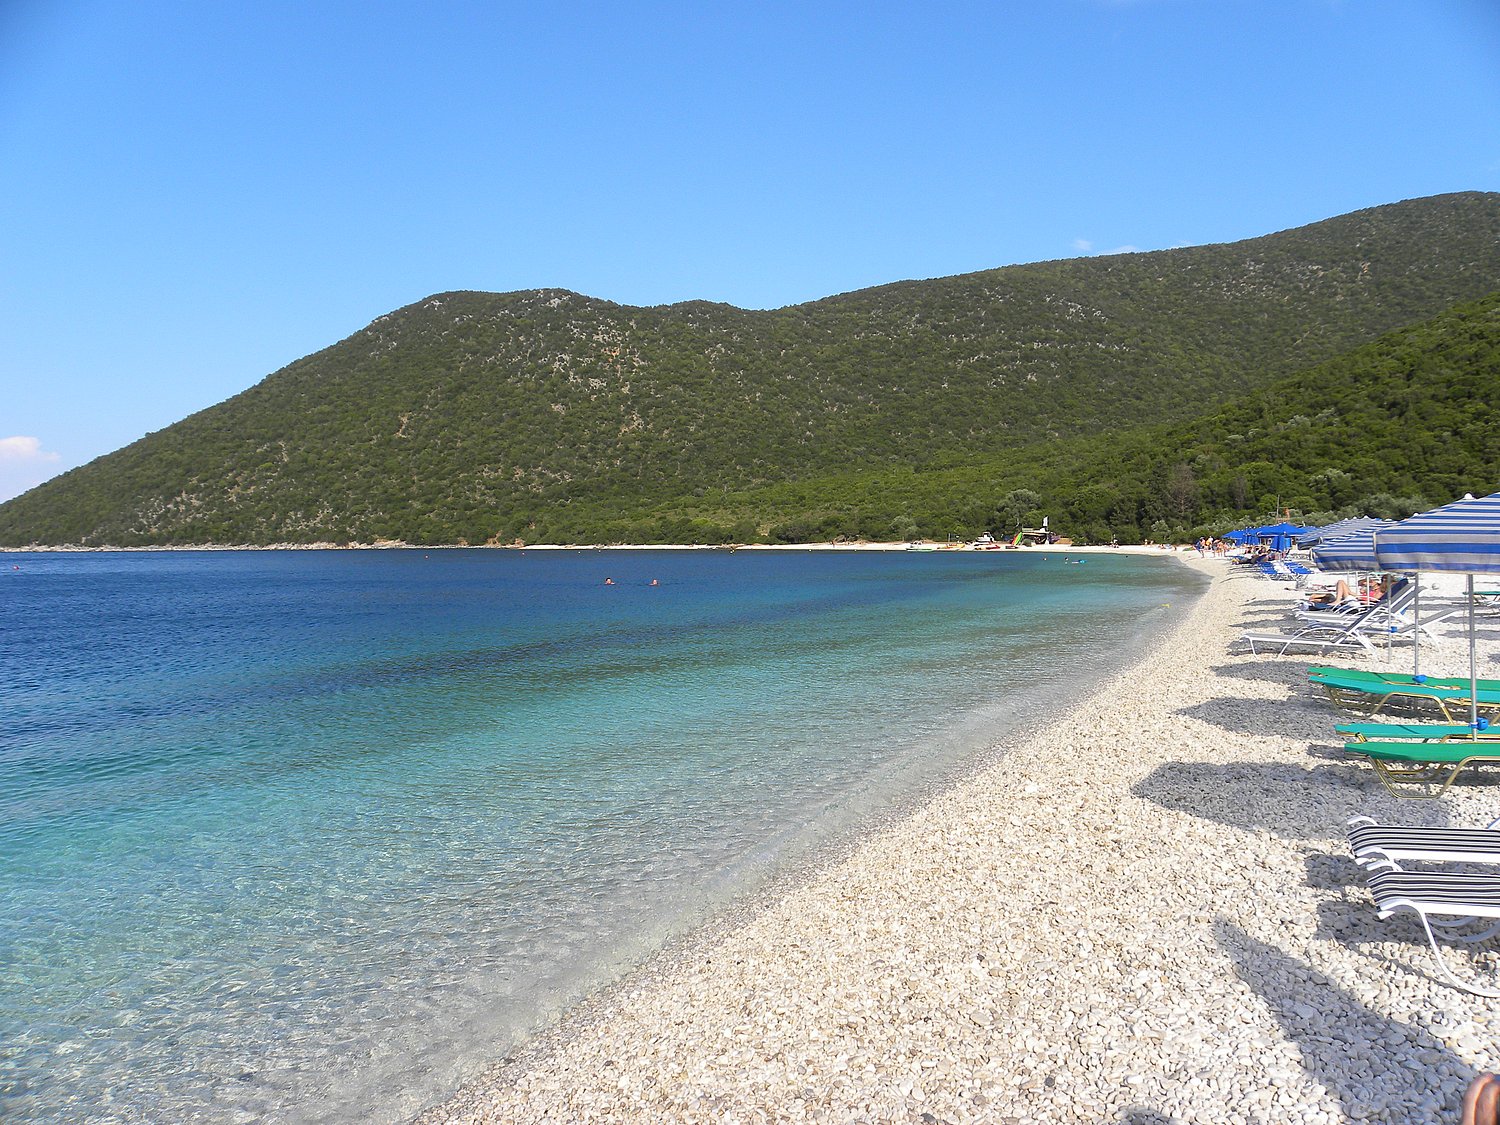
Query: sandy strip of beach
{"x": 1145, "y": 913}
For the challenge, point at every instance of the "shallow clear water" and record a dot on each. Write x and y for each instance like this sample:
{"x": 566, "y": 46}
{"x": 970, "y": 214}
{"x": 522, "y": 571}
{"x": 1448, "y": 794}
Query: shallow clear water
{"x": 312, "y": 835}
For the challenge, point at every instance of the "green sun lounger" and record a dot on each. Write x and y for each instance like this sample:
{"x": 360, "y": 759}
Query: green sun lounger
{"x": 1363, "y": 695}
{"x": 1419, "y": 732}
{"x": 1364, "y": 682}
{"x": 1364, "y": 686}
{"x": 1400, "y": 678}
{"x": 1422, "y": 769}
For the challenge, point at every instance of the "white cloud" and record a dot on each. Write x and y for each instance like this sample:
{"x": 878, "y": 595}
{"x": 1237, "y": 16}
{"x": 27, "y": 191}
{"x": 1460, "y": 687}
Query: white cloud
{"x": 24, "y": 449}
{"x": 1084, "y": 246}
{"x": 24, "y": 464}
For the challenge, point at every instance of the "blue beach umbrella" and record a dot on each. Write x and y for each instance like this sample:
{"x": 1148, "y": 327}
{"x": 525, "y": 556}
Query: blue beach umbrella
{"x": 1278, "y": 536}
{"x": 1239, "y": 536}
{"x": 1458, "y": 538}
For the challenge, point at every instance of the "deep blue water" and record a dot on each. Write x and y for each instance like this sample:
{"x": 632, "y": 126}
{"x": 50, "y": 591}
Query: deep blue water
{"x": 313, "y": 835}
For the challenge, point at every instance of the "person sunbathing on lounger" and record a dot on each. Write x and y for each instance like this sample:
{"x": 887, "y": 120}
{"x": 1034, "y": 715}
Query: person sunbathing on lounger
{"x": 1343, "y": 596}
{"x": 1324, "y": 599}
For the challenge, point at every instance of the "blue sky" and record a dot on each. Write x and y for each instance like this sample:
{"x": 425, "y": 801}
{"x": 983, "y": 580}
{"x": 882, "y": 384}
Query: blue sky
{"x": 196, "y": 194}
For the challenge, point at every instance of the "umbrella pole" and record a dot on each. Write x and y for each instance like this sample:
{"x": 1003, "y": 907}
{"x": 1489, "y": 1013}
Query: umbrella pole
{"x": 1473, "y": 667}
{"x": 1416, "y": 627}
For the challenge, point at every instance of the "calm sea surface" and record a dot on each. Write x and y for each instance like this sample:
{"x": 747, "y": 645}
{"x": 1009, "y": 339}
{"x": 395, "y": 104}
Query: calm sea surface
{"x": 312, "y": 835}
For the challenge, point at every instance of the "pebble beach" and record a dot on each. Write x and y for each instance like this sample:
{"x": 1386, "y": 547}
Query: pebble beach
{"x": 1144, "y": 913}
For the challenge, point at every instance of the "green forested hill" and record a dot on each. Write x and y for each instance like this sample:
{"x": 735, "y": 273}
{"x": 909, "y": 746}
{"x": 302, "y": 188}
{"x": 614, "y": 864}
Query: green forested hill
{"x": 545, "y": 415}
{"x": 1393, "y": 427}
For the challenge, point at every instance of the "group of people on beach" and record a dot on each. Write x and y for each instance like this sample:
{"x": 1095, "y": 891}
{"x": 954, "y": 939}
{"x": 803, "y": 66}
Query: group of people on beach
{"x": 1208, "y": 545}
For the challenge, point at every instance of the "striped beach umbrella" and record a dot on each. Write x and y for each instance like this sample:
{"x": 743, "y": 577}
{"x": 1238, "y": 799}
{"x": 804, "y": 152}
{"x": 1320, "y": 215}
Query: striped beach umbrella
{"x": 1458, "y": 538}
{"x": 1351, "y": 550}
{"x": 1315, "y": 535}
{"x": 1354, "y": 550}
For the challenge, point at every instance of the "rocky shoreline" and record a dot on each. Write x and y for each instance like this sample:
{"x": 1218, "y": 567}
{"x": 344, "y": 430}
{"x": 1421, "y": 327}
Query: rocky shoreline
{"x": 1145, "y": 913}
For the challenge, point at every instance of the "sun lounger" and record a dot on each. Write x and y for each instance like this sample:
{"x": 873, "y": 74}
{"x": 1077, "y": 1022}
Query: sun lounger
{"x": 1377, "y": 624}
{"x": 1336, "y": 612}
{"x": 1338, "y": 617}
{"x": 1397, "y": 600}
{"x": 1358, "y": 635}
{"x": 1347, "y": 635}
{"x": 1401, "y": 677}
{"x": 1363, "y": 695}
{"x": 1422, "y": 769}
{"x": 1369, "y": 686}
{"x": 1385, "y": 621}
{"x": 1310, "y": 638}
{"x": 1445, "y": 901}
{"x": 1417, "y": 732}
{"x": 1371, "y": 842}
{"x": 1281, "y": 569}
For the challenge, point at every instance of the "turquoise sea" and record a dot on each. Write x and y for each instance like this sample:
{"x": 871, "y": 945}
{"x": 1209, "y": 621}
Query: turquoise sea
{"x": 292, "y": 836}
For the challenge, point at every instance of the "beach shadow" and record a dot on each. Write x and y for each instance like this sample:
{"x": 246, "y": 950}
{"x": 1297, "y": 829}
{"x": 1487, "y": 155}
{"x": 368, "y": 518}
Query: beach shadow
{"x": 1291, "y": 801}
{"x": 1262, "y": 622}
{"x": 1147, "y": 1117}
{"x": 1286, "y": 671}
{"x": 1352, "y": 921}
{"x": 1248, "y": 716}
{"x": 1332, "y": 872}
{"x": 1377, "y": 1068}
{"x": 1328, "y": 752}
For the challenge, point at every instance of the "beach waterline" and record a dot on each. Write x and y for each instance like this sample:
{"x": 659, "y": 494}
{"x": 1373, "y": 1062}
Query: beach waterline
{"x": 1145, "y": 912}
{"x": 408, "y": 923}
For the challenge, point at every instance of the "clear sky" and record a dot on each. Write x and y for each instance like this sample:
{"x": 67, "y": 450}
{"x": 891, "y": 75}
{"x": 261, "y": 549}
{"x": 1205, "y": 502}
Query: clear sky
{"x": 195, "y": 194}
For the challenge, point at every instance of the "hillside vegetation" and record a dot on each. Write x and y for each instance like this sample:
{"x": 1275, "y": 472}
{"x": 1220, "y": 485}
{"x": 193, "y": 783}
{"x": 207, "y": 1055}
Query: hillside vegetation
{"x": 1391, "y": 428}
{"x": 918, "y": 407}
